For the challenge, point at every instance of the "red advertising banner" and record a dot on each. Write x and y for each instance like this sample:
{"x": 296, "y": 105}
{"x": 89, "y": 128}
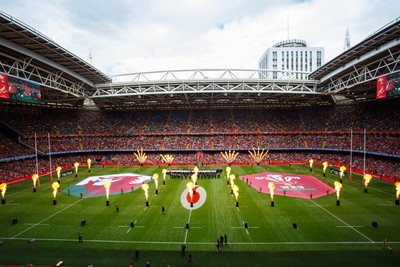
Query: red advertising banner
{"x": 381, "y": 87}
{"x": 388, "y": 86}
{"x": 4, "y": 86}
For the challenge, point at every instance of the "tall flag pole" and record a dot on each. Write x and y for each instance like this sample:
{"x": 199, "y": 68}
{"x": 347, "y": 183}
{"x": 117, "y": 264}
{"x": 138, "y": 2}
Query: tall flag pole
{"x": 365, "y": 140}
{"x": 351, "y": 151}
{"x": 51, "y": 174}
{"x": 37, "y": 162}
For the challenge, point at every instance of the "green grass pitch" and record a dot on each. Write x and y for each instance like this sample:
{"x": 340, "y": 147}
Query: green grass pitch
{"x": 327, "y": 234}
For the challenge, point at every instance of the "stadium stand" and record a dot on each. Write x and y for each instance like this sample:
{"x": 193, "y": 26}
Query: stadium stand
{"x": 292, "y": 135}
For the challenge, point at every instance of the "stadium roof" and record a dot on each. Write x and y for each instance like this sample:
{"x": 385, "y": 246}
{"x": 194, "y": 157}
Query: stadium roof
{"x": 20, "y": 40}
{"x": 376, "y": 40}
{"x": 68, "y": 81}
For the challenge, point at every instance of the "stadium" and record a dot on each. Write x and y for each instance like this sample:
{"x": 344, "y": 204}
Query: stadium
{"x": 227, "y": 165}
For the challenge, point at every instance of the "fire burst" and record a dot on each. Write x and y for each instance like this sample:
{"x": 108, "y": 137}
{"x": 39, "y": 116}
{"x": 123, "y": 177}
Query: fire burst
{"x": 235, "y": 190}
{"x": 76, "y": 165}
{"x": 367, "y": 179}
{"x": 35, "y": 178}
{"x": 107, "y": 186}
{"x": 338, "y": 187}
{"x": 145, "y": 188}
{"x": 258, "y": 155}
{"x": 140, "y": 156}
{"x": 229, "y": 156}
{"x": 168, "y": 158}
{"x": 55, "y": 187}
{"x": 3, "y": 189}
{"x": 325, "y": 164}
{"x": 271, "y": 187}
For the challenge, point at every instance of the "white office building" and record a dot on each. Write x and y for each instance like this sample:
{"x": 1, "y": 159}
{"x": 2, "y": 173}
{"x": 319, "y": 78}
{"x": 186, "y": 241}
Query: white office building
{"x": 291, "y": 59}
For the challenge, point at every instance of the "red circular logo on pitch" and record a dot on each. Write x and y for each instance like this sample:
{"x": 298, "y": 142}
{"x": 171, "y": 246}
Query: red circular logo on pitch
{"x": 196, "y": 196}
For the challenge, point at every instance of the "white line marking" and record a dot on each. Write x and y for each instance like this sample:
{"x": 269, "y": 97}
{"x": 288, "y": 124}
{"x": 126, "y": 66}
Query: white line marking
{"x": 345, "y": 226}
{"x": 208, "y": 243}
{"x": 47, "y": 218}
{"x": 128, "y": 230}
{"x": 187, "y": 230}
{"x": 386, "y": 205}
{"x": 343, "y": 221}
{"x": 36, "y": 224}
{"x": 123, "y": 226}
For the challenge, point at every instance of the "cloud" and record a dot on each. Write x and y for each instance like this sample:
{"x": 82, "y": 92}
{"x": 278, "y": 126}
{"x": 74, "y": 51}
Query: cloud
{"x": 135, "y": 36}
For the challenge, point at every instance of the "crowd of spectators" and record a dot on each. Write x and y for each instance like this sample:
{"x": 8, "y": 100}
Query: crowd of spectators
{"x": 205, "y": 129}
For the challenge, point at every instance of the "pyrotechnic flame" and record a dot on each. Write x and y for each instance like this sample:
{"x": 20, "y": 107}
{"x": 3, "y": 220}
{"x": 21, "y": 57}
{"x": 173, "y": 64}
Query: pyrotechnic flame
{"x": 55, "y": 187}
{"x": 232, "y": 179}
{"x": 155, "y": 178}
{"x": 397, "y": 189}
{"x": 168, "y": 158}
{"x": 271, "y": 187}
{"x": 190, "y": 186}
{"x": 76, "y": 164}
{"x": 145, "y": 188}
{"x": 338, "y": 187}
{"x": 35, "y": 177}
{"x": 89, "y": 163}
{"x": 342, "y": 169}
{"x": 258, "y": 155}
{"x": 229, "y": 156}
{"x": 58, "y": 169}
{"x": 140, "y": 155}
{"x": 194, "y": 178}
{"x": 235, "y": 190}
{"x": 367, "y": 179}
{"x": 107, "y": 186}
{"x": 228, "y": 172}
{"x": 325, "y": 164}
{"x": 3, "y": 189}
{"x": 196, "y": 170}
{"x": 311, "y": 161}
{"x": 164, "y": 172}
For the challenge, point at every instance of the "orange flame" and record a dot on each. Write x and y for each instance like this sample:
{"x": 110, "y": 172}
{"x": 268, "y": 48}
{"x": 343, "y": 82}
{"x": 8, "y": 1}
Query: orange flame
{"x": 228, "y": 172}
{"x": 311, "y": 161}
{"x": 235, "y": 190}
{"x": 58, "y": 169}
{"x": 55, "y": 187}
{"x": 155, "y": 178}
{"x": 271, "y": 187}
{"x": 342, "y": 169}
{"x": 190, "y": 186}
{"x": 338, "y": 187}
{"x": 367, "y": 179}
{"x": 107, "y": 186}
{"x": 397, "y": 189}
{"x": 3, "y": 189}
{"x": 145, "y": 188}
{"x": 232, "y": 179}
{"x": 325, "y": 164}
{"x": 76, "y": 164}
{"x": 35, "y": 177}
{"x": 89, "y": 163}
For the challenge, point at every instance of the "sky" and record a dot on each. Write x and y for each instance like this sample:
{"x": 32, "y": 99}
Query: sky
{"x": 131, "y": 36}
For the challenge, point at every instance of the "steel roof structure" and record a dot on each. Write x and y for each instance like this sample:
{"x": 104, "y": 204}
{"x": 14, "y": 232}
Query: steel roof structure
{"x": 68, "y": 81}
